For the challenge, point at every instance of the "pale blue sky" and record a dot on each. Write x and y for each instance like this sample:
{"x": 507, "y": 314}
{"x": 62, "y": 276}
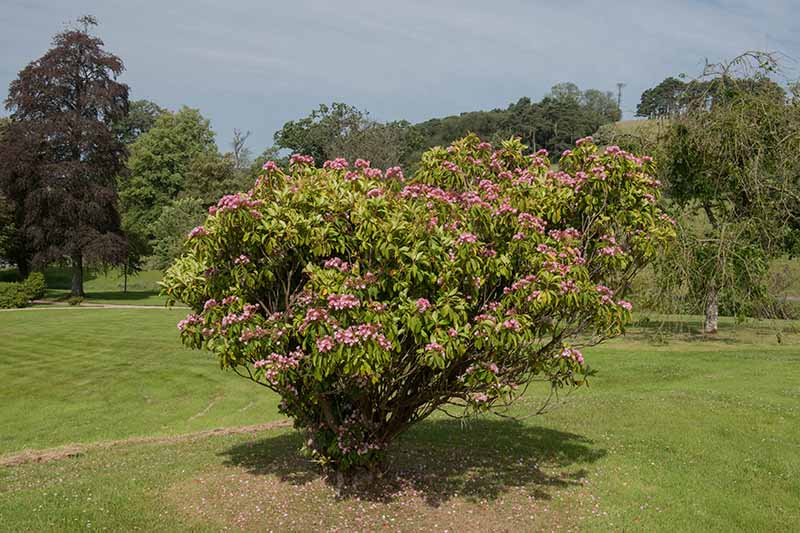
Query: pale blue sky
{"x": 255, "y": 64}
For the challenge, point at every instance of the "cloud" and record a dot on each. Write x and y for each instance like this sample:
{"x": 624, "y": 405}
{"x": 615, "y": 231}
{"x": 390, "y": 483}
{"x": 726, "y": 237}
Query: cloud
{"x": 254, "y": 64}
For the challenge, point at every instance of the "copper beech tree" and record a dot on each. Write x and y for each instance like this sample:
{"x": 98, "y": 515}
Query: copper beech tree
{"x": 368, "y": 300}
{"x": 60, "y": 155}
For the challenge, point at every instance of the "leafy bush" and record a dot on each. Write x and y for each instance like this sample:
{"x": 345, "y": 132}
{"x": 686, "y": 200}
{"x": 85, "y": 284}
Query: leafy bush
{"x": 13, "y": 295}
{"x": 35, "y": 285}
{"x": 368, "y": 302}
{"x": 19, "y": 294}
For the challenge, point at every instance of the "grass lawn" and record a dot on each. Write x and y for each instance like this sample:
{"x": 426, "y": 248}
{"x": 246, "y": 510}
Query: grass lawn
{"x": 687, "y": 435}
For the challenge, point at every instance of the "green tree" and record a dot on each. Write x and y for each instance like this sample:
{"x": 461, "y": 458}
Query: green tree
{"x": 209, "y": 176}
{"x": 159, "y": 163}
{"x": 142, "y": 115}
{"x": 314, "y": 134}
{"x": 735, "y": 161}
{"x": 171, "y": 227}
{"x": 60, "y": 153}
{"x": 663, "y": 100}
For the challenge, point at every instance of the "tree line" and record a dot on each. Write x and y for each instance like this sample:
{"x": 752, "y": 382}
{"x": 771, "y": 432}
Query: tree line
{"x": 88, "y": 176}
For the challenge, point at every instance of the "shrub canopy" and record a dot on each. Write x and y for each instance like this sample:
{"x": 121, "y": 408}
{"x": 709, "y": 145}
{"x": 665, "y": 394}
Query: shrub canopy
{"x": 367, "y": 300}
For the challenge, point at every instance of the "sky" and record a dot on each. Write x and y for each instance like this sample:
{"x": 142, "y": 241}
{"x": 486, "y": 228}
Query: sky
{"x": 255, "y": 64}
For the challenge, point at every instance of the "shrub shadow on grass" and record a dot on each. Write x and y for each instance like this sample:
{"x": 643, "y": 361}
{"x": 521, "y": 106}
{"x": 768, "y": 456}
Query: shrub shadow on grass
{"x": 442, "y": 459}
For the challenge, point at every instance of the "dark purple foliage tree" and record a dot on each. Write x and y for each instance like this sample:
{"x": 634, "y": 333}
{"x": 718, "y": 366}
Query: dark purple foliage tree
{"x": 60, "y": 154}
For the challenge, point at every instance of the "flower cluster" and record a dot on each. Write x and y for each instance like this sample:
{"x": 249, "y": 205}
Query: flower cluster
{"x": 247, "y": 313}
{"x": 299, "y": 160}
{"x": 198, "y": 231}
{"x": 343, "y": 301}
{"x": 276, "y": 364}
{"x": 354, "y": 336}
{"x": 338, "y": 264}
{"x": 572, "y": 354}
{"x": 232, "y": 202}
{"x": 336, "y": 164}
{"x": 191, "y": 319}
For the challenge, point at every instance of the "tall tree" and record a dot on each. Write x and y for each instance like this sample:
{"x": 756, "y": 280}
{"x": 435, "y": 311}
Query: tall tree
{"x": 312, "y": 135}
{"x": 158, "y": 165}
{"x": 142, "y": 115}
{"x": 61, "y": 155}
{"x": 663, "y": 100}
{"x": 732, "y": 166}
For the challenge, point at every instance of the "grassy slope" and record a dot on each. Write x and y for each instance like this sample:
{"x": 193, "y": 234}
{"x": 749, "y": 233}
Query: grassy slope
{"x": 81, "y": 375}
{"x": 691, "y": 435}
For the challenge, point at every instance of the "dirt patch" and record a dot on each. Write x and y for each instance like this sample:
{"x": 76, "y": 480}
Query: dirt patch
{"x": 75, "y": 450}
{"x": 420, "y": 494}
{"x": 492, "y": 477}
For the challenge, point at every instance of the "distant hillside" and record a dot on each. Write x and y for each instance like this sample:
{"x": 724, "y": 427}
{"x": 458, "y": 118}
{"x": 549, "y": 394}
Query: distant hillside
{"x": 635, "y": 134}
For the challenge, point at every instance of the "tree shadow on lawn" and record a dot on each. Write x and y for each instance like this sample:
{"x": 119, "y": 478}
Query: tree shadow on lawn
{"x": 122, "y": 297}
{"x": 441, "y": 459}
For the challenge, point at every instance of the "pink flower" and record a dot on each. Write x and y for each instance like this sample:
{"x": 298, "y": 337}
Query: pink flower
{"x": 625, "y": 305}
{"x": 298, "y": 159}
{"x": 422, "y": 305}
{"x": 452, "y": 332}
{"x": 452, "y": 167}
{"x": 242, "y": 260}
{"x": 338, "y": 264}
{"x": 434, "y": 347}
{"x": 325, "y": 344}
{"x": 190, "y": 319}
{"x": 572, "y": 353}
{"x": 394, "y": 172}
{"x": 480, "y": 397}
{"x": 588, "y": 139}
{"x": 210, "y": 304}
{"x": 198, "y": 231}
{"x": 337, "y": 164}
{"x": 270, "y": 166}
{"x": 467, "y": 237}
{"x": 518, "y": 236}
{"x": 512, "y": 324}
{"x": 343, "y": 301}
{"x": 374, "y": 193}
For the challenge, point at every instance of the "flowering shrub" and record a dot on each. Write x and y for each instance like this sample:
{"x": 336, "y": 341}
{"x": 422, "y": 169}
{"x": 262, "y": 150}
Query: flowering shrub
{"x": 368, "y": 300}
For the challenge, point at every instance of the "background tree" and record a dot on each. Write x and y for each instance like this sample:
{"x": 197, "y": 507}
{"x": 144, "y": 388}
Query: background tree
{"x": 313, "y": 135}
{"x": 171, "y": 227}
{"x": 731, "y": 164}
{"x": 239, "y": 150}
{"x": 663, "y": 100}
{"x": 142, "y": 115}
{"x": 159, "y": 163}
{"x": 60, "y": 154}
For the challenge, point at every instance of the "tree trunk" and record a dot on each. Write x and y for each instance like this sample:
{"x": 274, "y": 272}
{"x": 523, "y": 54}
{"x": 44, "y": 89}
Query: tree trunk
{"x": 77, "y": 275}
{"x": 712, "y": 311}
